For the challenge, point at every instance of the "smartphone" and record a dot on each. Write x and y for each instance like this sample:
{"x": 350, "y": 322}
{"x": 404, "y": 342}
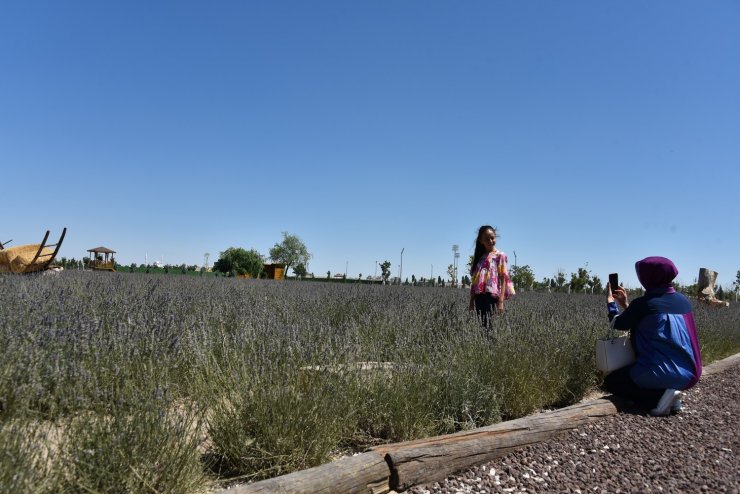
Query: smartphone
{"x": 614, "y": 281}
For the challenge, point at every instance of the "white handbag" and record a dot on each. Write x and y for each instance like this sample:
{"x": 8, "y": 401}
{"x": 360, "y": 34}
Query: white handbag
{"x": 614, "y": 352}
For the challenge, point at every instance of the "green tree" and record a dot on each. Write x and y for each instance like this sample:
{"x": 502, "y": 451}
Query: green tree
{"x": 595, "y": 283}
{"x": 579, "y": 280}
{"x": 385, "y": 269}
{"x": 300, "y": 270}
{"x": 522, "y": 277}
{"x": 549, "y": 283}
{"x": 542, "y": 285}
{"x": 451, "y": 272}
{"x": 236, "y": 260}
{"x": 560, "y": 278}
{"x": 291, "y": 252}
{"x": 736, "y": 283}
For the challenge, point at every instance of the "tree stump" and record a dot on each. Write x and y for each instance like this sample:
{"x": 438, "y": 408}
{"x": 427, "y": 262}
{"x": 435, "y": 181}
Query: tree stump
{"x": 705, "y": 288}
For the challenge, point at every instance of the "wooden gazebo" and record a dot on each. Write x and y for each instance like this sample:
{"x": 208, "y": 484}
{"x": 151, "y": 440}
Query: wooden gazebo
{"x": 101, "y": 258}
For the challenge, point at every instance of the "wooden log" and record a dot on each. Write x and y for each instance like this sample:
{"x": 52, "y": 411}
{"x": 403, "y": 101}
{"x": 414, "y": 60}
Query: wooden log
{"x": 366, "y": 473}
{"x": 429, "y": 460}
{"x": 720, "y": 365}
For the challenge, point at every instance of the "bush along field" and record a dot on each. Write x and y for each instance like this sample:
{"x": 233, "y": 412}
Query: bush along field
{"x": 117, "y": 382}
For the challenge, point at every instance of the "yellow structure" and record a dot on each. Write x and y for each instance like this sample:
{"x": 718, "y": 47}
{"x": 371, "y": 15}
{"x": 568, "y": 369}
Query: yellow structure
{"x": 270, "y": 271}
{"x": 101, "y": 258}
{"x": 29, "y": 258}
{"x": 274, "y": 271}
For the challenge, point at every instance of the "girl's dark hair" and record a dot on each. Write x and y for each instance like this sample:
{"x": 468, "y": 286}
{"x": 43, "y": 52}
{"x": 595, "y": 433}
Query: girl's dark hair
{"x": 480, "y": 250}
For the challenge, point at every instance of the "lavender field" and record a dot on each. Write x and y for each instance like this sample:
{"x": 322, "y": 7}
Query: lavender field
{"x": 136, "y": 383}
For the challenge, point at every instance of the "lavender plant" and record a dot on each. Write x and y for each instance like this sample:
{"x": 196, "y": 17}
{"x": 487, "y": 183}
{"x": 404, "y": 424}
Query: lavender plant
{"x": 156, "y": 380}
{"x": 27, "y": 460}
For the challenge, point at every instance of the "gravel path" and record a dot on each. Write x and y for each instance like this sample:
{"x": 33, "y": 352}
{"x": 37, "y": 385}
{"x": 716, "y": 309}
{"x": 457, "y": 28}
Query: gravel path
{"x": 694, "y": 451}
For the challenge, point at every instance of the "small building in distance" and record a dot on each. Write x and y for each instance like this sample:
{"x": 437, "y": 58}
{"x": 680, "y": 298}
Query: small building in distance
{"x": 101, "y": 259}
{"x": 274, "y": 271}
{"x": 269, "y": 271}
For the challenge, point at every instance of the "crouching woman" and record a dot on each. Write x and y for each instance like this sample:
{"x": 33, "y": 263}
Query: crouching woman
{"x": 663, "y": 334}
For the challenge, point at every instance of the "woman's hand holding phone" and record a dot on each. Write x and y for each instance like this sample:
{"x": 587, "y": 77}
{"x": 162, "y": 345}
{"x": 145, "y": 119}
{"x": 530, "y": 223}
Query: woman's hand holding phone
{"x": 619, "y": 295}
{"x": 616, "y": 292}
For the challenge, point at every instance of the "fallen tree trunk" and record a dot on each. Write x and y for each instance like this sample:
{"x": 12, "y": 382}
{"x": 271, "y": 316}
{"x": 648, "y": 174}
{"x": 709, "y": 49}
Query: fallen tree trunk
{"x": 720, "y": 365}
{"x": 366, "y": 473}
{"x": 432, "y": 459}
{"x": 399, "y": 466}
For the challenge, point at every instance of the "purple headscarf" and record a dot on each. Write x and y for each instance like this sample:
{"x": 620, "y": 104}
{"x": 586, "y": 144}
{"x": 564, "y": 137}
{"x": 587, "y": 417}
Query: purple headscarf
{"x": 656, "y": 272}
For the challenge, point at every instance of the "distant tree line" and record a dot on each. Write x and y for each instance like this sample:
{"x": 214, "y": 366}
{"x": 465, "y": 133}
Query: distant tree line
{"x": 292, "y": 252}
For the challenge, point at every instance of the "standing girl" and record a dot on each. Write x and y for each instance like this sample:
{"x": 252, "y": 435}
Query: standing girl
{"x": 490, "y": 283}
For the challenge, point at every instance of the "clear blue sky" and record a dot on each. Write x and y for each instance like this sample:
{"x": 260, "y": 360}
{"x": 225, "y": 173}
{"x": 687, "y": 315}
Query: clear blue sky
{"x": 588, "y": 132}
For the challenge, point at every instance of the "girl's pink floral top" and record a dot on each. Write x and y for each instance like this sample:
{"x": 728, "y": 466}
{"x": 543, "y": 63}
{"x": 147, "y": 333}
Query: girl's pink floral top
{"x": 491, "y": 272}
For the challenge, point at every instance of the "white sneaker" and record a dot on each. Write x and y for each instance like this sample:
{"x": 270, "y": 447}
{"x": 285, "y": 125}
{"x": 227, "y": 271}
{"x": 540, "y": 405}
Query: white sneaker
{"x": 666, "y": 402}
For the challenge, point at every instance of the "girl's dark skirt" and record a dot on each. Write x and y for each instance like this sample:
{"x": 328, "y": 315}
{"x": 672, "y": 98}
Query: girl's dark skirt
{"x": 485, "y": 305}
